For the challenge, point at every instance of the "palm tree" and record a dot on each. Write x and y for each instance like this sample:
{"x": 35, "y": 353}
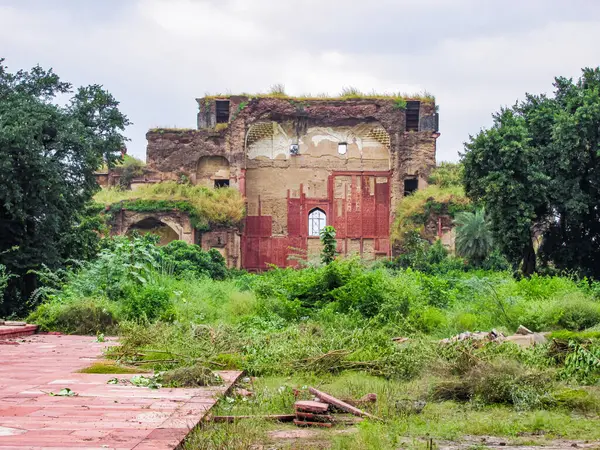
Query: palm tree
{"x": 473, "y": 235}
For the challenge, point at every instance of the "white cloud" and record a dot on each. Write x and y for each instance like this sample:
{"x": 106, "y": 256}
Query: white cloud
{"x": 157, "y": 56}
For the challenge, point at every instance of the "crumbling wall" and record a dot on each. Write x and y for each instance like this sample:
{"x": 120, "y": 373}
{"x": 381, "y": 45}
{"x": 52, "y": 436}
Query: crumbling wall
{"x": 225, "y": 241}
{"x": 283, "y": 156}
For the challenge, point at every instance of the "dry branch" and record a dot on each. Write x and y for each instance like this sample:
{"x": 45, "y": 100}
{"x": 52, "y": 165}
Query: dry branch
{"x": 341, "y": 405}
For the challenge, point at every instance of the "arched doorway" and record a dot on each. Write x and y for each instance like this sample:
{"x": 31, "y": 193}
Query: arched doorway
{"x": 157, "y": 227}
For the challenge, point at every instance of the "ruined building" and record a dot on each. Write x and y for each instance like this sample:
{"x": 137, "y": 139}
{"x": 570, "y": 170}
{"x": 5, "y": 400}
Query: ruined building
{"x": 301, "y": 164}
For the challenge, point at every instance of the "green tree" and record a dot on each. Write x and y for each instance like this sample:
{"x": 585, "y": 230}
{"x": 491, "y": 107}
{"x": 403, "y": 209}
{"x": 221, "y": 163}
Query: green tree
{"x": 329, "y": 244}
{"x": 48, "y": 155}
{"x": 536, "y": 170}
{"x": 473, "y": 236}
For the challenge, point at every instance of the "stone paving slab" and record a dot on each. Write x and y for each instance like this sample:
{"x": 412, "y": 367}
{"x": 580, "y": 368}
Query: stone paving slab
{"x": 7, "y": 332}
{"x": 101, "y": 416}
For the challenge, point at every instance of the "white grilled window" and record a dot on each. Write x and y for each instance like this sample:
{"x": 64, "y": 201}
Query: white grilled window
{"x": 316, "y": 222}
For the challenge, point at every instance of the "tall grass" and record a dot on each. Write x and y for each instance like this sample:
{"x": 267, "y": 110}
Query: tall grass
{"x": 223, "y": 205}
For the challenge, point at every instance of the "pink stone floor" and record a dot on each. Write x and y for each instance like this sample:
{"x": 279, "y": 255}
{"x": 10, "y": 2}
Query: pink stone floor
{"x": 101, "y": 416}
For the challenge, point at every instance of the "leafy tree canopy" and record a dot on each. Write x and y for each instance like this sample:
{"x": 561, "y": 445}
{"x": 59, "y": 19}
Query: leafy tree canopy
{"x": 48, "y": 155}
{"x": 536, "y": 169}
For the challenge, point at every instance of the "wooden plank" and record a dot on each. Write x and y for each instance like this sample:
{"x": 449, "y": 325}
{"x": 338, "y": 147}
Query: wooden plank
{"x": 313, "y": 417}
{"x": 302, "y": 423}
{"x": 310, "y": 406}
{"x": 340, "y": 404}
{"x": 273, "y": 417}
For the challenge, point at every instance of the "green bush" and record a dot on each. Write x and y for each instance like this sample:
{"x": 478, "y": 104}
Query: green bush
{"x": 428, "y": 320}
{"x": 367, "y": 293}
{"x": 499, "y": 382}
{"x": 149, "y": 303}
{"x": 191, "y": 259}
{"x": 86, "y": 316}
{"x": 578, "y": 315}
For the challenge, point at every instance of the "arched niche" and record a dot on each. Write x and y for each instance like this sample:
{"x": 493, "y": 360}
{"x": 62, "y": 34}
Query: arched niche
{"x": 166, "y": 232}
{"x": 213, "y": 171}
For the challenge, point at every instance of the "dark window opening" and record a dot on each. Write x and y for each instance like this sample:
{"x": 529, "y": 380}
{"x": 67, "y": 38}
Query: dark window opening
{"x": 412, "y": 115}
{"x": 410, "y": 186}
{"x": 222, "y": 107}
{"x": 221, "y": 183}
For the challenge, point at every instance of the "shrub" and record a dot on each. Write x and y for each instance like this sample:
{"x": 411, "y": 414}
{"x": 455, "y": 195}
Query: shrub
{"x": 465, "y": 322}
{"x": 148, "y": 304}
{"x": 189, "y": 258}
{"x": 428, "y": 319}
{"x": 367, "y": 293}
{"x": 500, "y": 382}
{"x": 191, "y": 376}
{"x": 578, "y": 315}
{"x": 86, "y": 316}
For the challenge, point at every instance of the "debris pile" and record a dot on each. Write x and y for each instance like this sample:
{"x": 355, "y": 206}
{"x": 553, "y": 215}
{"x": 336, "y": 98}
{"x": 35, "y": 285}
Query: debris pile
{"x": 312, "y": 413}
{"x": 323, "y": 411}
{"x": 523, "y": 337}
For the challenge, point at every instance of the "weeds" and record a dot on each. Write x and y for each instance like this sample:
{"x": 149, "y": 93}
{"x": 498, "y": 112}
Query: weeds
{"x": 179, "y": 311}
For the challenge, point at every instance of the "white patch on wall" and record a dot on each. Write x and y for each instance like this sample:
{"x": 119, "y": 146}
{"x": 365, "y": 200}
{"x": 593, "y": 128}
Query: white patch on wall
{"x": 337, "y": 135}
{"x": 267, "y": 140}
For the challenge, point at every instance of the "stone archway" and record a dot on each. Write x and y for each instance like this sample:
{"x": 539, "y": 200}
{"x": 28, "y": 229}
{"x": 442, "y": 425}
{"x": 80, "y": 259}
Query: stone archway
{"x": 178, "y": 224}
{"x": 152, "y": 225}
{"x": 213, "y": 171}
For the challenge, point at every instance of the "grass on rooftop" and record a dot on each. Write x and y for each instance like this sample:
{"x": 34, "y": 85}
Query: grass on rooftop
{"x": 347, "y": 93}
{"x": 223, "y": 206}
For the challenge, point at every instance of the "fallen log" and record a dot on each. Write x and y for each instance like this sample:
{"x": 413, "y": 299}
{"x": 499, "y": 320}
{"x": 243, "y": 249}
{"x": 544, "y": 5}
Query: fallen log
{"x": 341, "y": 405}
{"x": 273, "y": 417}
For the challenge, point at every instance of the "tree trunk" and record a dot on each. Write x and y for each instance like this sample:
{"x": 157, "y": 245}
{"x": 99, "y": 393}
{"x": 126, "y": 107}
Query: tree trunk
{"x": 529, "y": 260}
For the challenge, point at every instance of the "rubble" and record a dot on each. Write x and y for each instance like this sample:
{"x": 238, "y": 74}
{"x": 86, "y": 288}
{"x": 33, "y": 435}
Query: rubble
{"x": 476, "y": 336}
{"x": 523, "y": 337}
{"x": 523, "y": 330}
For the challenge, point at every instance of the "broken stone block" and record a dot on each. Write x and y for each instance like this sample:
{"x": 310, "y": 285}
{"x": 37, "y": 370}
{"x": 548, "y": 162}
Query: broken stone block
{"x": 14, "y": 323}
{"x": 311, "y": 406}
{"x": 522, "y": 330}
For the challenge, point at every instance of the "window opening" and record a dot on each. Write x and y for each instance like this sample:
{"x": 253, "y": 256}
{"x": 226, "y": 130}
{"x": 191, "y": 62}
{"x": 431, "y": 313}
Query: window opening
{"x": 342, "y": 148}
{"x": 316, "y": 222}
{"x": 221, "y": 183}
{"x": 412, "y": 115}
{"x": 410, "y": 186}
{"x": 222, "y": 109}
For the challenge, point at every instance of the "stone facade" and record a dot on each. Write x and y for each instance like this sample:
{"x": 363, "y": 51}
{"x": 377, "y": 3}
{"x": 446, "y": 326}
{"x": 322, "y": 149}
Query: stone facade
{"x": 351, "y": 160}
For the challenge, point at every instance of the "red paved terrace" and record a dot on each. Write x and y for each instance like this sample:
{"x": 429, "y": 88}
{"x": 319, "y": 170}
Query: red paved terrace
{"x": 101, "y": 416}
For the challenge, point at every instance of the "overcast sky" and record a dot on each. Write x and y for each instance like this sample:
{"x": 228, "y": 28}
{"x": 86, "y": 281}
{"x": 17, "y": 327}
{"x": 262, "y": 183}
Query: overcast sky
{"x": 157, "y": 56}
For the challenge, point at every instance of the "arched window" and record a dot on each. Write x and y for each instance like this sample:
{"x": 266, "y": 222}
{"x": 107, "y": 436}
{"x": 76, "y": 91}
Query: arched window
{"x": 316, "y": 222}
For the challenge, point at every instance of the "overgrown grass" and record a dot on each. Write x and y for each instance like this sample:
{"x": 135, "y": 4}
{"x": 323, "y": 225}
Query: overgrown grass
{"x": 110, "y": 367}
{"x": 223, "y": 206}
{"x": 410, "y": 415}
{"x": 177, "y": 308}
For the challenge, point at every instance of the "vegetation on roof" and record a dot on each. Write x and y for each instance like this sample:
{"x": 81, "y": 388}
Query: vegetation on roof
{"x": 169, "y": 129}
{"x": 444, "y": 195}
{"x": 206, "y": 206}
{"x": 347, "y": 93}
